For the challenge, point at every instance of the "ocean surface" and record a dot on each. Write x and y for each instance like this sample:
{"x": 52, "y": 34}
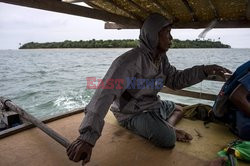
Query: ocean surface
{"x": 53, "y": 81}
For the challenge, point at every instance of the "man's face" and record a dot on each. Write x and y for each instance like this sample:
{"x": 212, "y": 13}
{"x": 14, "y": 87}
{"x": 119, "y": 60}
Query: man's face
{"x": 165, "y": 39}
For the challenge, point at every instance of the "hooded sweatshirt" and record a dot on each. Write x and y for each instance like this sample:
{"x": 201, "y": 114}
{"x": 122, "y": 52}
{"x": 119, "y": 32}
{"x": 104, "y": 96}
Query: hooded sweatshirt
{"x": 142, "y": 80}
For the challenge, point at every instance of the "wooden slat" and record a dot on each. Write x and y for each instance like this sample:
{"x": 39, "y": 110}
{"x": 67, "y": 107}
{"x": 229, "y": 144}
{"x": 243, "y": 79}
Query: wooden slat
{"x": 186, "y": 93}
{"x": 138, "y": 6}
{"x": 219, "y": 24}
{"x": 110, "y": 25}
{"x": 193, "y": 25}
{"x": 125, "y": 10}
{"x": 68, "y": 8}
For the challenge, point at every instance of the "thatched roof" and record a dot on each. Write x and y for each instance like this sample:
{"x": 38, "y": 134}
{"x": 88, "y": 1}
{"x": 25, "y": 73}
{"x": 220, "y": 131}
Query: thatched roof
{"x": 131, "y": 13}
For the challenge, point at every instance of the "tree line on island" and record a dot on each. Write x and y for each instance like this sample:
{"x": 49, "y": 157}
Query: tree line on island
{"x": 126, "y": 43}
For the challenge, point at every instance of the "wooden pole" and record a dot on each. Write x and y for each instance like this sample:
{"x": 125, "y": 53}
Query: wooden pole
{"x": 67, "y": 8}
{"x": 12, "y": 106}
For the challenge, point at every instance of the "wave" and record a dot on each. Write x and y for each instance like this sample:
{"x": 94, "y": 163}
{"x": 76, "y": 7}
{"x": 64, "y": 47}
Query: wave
{"x": 27, "y": 95}
{"x": 71, "y": 101}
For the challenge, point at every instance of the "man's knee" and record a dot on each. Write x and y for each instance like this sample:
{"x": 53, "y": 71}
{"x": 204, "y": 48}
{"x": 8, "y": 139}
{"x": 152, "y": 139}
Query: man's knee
{"x": 164, "y": 136}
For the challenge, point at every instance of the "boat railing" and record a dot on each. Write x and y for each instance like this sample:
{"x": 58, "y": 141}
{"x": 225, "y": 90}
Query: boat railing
{"x": 192, "y": 94}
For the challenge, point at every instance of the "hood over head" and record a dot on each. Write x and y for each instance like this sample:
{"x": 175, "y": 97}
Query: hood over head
{"x": 149, "y": 32}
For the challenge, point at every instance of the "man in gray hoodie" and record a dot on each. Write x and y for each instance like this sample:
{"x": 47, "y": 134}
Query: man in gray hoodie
{"x": 143, "y": 71}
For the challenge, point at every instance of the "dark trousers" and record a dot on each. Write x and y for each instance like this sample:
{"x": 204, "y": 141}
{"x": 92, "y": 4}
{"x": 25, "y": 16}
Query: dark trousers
{"x": 152, "y": 125}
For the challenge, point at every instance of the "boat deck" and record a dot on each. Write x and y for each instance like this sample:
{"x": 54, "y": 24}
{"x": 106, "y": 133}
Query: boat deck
{"x": 116, "y": 146}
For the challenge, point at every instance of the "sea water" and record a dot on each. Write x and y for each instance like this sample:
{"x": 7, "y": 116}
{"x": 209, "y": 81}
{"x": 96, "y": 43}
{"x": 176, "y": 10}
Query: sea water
{"x": 46, "y": 82}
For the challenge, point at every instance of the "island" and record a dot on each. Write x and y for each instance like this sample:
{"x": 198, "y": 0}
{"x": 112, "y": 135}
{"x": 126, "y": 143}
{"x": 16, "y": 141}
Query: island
{"x": 125, "y": 43}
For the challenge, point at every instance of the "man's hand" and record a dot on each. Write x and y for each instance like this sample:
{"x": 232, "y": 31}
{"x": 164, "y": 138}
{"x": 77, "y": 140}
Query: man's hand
{"x": 79, "y": 150}
{"x": 216, "y": 70}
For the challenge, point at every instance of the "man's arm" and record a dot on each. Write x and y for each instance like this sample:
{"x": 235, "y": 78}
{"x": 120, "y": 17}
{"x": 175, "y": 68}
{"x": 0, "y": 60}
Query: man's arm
{"x": 239, "y": 98}
{"x": 178, "y": 79}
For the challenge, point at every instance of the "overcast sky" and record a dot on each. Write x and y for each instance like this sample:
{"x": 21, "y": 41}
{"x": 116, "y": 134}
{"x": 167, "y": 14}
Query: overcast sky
{"x": 19, "y": 25}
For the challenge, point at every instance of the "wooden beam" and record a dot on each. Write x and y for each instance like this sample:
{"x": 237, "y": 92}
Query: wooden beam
{"x": 124, "y": 10}
{"x": 138, "y": 6}
{"x": 194, "y": 17}
{"x": 186, "y": 93}
{"x": 110, "y": 25}
{"x": 67, "y": 8}
{"x": 248, "y": 10}
{"x": 219, "y": 24}
{"x": 190, "y": 25}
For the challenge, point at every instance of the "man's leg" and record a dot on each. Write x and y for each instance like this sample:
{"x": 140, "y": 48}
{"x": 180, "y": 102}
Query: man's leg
{"x": 151, "y": 127}
{"x": 176, "y": 116}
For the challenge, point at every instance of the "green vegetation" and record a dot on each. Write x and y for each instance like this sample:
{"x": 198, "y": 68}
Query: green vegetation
{"x": 122, "y": 44}
{"x": 198, "y": 44}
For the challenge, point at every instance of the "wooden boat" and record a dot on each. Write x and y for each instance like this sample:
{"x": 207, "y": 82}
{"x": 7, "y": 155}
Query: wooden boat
{"x": 24, "y": 145}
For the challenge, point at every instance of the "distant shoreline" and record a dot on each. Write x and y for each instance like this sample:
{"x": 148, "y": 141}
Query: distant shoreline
{"x": 128, "y": 43}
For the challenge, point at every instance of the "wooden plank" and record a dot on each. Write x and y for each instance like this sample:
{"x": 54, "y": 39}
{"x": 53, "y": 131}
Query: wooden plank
{"x": 124, "y": 10}
{"x": 219, "y": 24}
{"x": 188, "y": 25}
{"x": 186, "y": 93}
{"x": 110, "y": 25}
{"x": 116, "y": 147}
{"x": 72, "y": 9}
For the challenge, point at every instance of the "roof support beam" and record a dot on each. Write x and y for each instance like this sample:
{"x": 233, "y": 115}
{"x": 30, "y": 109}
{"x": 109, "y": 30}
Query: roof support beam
{"x": 62, "y": 7}
{"x": 194, "y": 17}
{"x": 191, "y": 25}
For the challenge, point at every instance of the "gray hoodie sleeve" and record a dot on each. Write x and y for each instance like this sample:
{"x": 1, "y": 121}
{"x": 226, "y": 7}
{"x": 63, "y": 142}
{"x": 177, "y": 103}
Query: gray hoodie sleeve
{"x": 93, "y": 122}
{"x": 178, "y": 79}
